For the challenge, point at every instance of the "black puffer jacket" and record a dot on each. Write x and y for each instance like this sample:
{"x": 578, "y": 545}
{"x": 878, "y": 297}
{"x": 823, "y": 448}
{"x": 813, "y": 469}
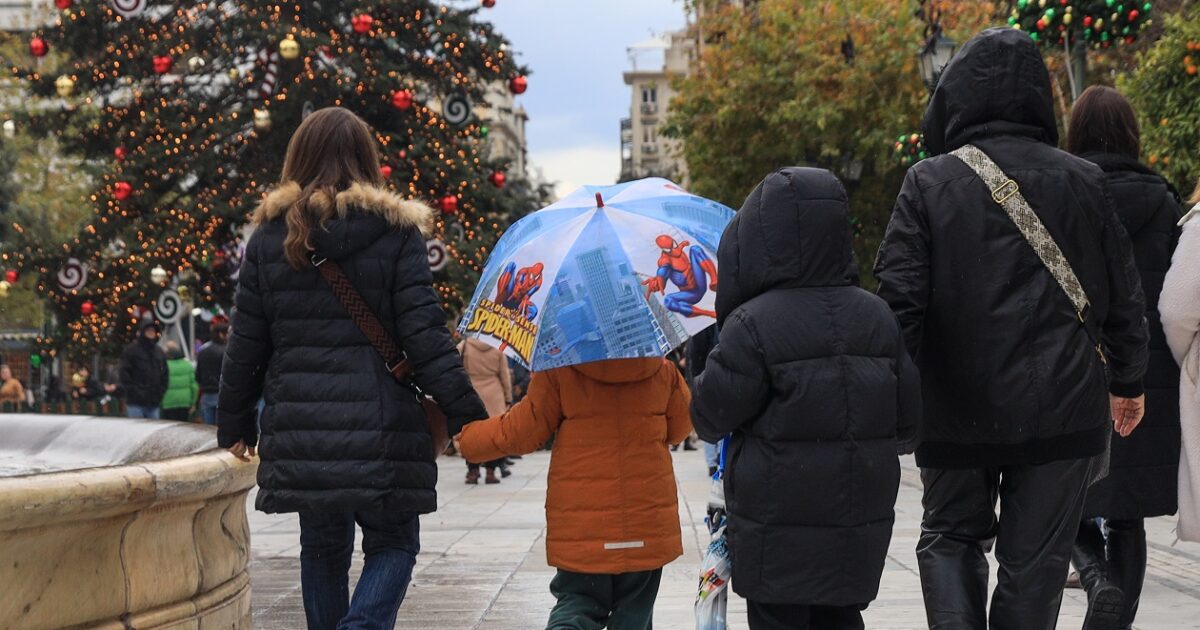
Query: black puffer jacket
{"x": 143, "y": 373}
{"x": 1009, "y": 374}
{"x": 1144, "y": 469}
{"x": 812, "y": 379}
{"x": 338, "y": 432}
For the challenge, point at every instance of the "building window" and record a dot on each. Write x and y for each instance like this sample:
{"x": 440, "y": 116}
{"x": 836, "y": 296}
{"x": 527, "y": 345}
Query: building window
{"x": 649, "y": 133}
{"x": 649, "y": 94}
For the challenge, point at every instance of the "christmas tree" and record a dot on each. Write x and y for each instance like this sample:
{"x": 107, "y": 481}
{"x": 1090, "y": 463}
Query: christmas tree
{"x": 189, "y": 108}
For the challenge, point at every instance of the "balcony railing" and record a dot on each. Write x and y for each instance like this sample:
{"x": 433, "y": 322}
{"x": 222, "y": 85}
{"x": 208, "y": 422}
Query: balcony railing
{"x": 649, "y": 109}
{"x": 649, "y": 148}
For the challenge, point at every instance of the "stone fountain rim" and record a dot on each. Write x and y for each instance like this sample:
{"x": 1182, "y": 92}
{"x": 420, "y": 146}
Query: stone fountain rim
{"x": 50, "y": 498}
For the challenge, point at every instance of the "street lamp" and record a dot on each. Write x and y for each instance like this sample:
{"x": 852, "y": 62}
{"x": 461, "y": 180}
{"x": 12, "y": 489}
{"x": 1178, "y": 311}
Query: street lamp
{"x": 934, "y": 56}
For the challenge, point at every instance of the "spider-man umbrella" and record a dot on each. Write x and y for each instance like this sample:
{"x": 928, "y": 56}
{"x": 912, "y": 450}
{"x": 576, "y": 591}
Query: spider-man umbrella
{"x": 608, "y": 272}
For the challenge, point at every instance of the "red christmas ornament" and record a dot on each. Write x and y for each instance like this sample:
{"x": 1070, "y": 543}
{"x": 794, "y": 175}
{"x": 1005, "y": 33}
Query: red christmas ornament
{"x": 1087, "y": 21}
{"x": 11, "y": 276}
{"x": 1133, "y": 15}
{"x": 87, "y": 308}
{"x": 487, "y": 4}
{"x": 1041, "y": 24}
{"x": 122, "y": 190}
{"x": 362, "y": 23}
{"x": 386, "y": 171}
{"x": 498, "y": 178}
{"x": 163, "y": 63}
{"x": 38, "y": 47}
{"x": 62, "y": 4}
{"x": 448, "y": 204}
{"x": 120, "y": 153}
{"x": 403, "y": 154}
{"x": 518, "y": 85}
{"x": 402, "y": 99}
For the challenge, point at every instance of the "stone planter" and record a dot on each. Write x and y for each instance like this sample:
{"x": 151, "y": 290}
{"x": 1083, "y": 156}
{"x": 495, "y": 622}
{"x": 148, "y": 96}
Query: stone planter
{"x": 147, "y": 529}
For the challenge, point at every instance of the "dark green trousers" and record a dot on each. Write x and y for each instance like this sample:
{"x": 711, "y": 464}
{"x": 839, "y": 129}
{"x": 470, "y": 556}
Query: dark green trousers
{"x": 591, "y": 601}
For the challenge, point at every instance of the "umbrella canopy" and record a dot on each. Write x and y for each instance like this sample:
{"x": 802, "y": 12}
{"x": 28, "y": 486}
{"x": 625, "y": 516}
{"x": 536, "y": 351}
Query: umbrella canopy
{"x": 608, "y": 272}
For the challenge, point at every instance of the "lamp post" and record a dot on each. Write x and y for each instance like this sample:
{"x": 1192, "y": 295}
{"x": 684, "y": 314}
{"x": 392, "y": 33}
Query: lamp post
{"x": 934, "y": 55}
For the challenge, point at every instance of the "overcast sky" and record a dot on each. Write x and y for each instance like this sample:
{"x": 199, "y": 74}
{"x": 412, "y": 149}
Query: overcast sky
{"x": 576, "y": 51}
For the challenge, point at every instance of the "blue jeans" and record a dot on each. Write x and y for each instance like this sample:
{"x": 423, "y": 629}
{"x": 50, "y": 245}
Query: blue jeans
{"x": 208, "y": 408}
{"x": 391, "y": 541}
{"x": 140, "y": 411}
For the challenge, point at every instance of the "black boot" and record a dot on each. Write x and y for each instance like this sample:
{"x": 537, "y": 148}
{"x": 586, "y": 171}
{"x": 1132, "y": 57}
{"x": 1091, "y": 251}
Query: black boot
{"x": 1105, "y": 600}
{"x": 1127, "y": 562}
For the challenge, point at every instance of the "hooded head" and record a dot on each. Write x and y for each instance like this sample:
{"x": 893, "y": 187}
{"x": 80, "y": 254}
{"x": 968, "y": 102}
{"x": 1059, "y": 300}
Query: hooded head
{"x": 996, "y": 85}
{"x": 793, "y": 231}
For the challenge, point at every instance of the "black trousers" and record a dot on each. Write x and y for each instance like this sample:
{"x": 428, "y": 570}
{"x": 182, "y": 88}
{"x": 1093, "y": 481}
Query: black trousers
{"x": 1040, "y": 508}
{"x": 799, "y": 617}
{"x": 182, "y": 414}
{"x": 589, "y": 601}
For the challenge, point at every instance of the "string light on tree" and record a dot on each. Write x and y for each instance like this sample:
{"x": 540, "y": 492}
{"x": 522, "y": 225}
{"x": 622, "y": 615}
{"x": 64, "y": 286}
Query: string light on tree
{"x": 1098, "y": 23}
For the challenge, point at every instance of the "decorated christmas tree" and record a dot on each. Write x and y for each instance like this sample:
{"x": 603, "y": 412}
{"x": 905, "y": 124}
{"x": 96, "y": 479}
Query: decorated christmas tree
{"x": 189, "y": 106}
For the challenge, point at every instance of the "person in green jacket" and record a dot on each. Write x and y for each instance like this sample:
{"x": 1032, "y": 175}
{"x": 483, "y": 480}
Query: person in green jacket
{"x": 182, "y": 389}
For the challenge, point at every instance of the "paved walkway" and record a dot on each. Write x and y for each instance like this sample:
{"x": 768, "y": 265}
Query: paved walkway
{"x": 483, "y": 562}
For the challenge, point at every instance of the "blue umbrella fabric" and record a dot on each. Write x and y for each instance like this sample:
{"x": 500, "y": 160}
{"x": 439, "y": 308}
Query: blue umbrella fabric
{"x": 608, "y": 272}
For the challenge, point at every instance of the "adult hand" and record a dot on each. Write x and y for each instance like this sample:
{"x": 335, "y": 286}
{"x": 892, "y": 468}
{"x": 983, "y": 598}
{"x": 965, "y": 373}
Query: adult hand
{"x": 1127, "y": 413}
{"x": 242, "y": 452}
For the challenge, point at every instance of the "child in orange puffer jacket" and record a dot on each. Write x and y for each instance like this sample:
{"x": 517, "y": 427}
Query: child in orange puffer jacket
{"x": 611, "y": 504}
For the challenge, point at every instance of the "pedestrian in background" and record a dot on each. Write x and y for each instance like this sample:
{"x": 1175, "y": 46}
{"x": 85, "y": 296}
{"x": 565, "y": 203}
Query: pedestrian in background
{"x": 612, "y": 513}
{"x": 488, "y": 370}
{"x": 208, "y": 370}
{"x": 1143, "y": 468}
{"x": 182, "y": 392}
{"x": 1179, "y": 306}
{"x": 144, "y": 373}
{"x": 1025, "y": 364}
{"x": 12, "y": 393}
{"x": 812, "y": 379}
{"x": 699, "y": 347}
{"x": 343, "y": 442}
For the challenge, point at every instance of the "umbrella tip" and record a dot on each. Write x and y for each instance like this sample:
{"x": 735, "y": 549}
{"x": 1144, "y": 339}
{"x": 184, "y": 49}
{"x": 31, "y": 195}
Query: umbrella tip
{"x": 599, "y": 201}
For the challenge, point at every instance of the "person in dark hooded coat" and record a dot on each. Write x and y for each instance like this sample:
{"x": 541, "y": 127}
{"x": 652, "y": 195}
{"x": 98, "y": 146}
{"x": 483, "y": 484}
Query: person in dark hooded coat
{"x": 1016, "y": 397}
{"x": 342, "y": 442}
{"x": 1144, "y": 468}
{"x": 812, "y": 378}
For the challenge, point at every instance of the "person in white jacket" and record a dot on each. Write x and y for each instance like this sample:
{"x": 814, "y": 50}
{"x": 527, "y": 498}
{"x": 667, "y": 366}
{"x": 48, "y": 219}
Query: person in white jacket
{"x": 1179, "y": 307}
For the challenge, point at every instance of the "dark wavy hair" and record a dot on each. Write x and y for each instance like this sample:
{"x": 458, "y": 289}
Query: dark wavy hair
{"x": 331, "y": 150}
{"x": 1102, "y": 121}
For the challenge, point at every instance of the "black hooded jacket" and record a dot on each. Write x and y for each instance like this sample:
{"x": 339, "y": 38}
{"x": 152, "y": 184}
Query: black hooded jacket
{"x": 338, "y": 432}
{"x": 1008, "y": 371}
{"x": 812, "y": 379}
{"x": 1143, "y": 474}
{"x": 143, "y": 372}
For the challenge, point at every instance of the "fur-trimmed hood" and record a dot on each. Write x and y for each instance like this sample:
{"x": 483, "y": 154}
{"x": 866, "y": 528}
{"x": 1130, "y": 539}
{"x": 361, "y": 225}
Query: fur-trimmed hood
{"x": 363, "y": 214}
{"x": 396, "y": 210}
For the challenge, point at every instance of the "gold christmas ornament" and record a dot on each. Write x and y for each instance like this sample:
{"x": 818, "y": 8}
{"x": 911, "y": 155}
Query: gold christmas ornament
{"x": 234, "y": 74}
{"x": 10, "y": 129}
{"x": 65, "y": 86}
{"x": 289, "y": 49}
{"x": 197, "y": 63}
{"x": 262, "y": 119}
{"x": 158, "y": 275}
{"x": 5, "y": 285}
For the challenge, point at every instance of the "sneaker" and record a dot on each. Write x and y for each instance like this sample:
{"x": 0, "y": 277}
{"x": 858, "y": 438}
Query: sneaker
{"x": 1104, "y": 608}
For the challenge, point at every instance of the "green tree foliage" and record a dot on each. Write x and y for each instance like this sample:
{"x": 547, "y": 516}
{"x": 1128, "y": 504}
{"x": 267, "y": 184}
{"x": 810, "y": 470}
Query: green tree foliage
{"x": 1165, "y": 91}
{"x": 775, "y": 86}
{"x": 186, "y": 109}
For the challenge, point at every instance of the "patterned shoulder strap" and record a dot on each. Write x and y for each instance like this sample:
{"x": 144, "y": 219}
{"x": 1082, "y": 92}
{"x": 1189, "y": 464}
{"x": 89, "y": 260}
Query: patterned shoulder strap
{"x": 1007, "y": 194}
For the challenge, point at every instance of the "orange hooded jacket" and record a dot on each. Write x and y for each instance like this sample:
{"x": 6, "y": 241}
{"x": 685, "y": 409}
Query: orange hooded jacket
{"x": 611, "y": 500}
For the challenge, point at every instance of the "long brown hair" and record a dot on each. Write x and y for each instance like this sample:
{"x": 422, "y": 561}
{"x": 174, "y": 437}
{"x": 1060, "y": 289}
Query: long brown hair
{"x": 331, "y": 150}
{"x": 1102, "y": 121}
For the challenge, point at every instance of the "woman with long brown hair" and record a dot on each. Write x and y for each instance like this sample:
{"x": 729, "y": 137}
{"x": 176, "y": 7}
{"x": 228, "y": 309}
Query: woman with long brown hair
{"x": 341, "y": 441}
{"x": 1110, "y": 549}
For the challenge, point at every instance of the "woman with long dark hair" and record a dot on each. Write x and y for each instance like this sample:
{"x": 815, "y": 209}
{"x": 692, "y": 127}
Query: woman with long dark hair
{"x": 341, "y": 442}
{"x": 1110, "y": 550}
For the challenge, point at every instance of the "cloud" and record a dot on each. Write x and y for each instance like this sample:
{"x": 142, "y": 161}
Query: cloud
{"x": 573, "y": 167}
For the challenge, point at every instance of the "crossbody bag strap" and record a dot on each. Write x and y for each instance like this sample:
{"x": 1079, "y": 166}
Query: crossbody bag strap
{"x": 367, "y": 321}
{"x": 1007, "y": 194}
